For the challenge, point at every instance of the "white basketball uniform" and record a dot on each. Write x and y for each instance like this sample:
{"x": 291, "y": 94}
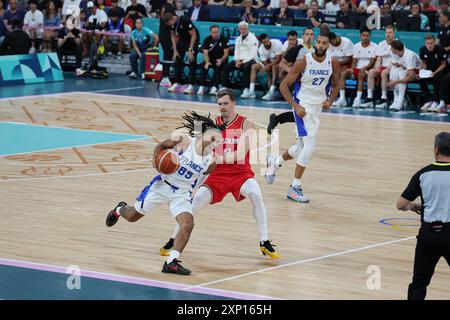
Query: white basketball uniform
{"x": 310, "y": 91}
{"x": 175, "y": 189}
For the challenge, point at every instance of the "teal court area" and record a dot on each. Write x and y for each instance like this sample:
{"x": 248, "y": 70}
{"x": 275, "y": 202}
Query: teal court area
{"x": 30, "y": 281}
{"x": 18, "y": 138}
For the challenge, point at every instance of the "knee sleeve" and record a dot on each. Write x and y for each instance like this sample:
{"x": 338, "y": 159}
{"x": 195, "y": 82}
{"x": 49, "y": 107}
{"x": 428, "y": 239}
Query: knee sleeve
{"x": 251, "y": 190}
{"x": 305, "y": 155}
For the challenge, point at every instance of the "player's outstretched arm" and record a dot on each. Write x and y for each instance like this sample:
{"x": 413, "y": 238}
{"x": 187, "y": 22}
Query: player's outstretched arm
{"x": 288, "y": 81}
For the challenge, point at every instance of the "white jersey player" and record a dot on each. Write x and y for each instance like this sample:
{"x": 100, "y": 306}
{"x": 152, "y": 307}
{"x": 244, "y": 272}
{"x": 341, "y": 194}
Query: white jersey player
{"x": 406, "y": 65}
{"x": 196, "y": 161}
{"x": 311, "y": 95}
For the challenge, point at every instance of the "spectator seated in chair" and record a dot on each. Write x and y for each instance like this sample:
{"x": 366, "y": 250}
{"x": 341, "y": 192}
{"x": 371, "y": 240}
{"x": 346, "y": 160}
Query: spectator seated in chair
{"x": 248, "y": 12}
{"x": 69, "y": 42}
{"x": 142, "y": 38}
{"x": 16, "y": 41}
{"x": 116, "y": 24}
{"x": 52, "y": 19}
{"x": 198, "y": 11}
{"x": 14, "y": 13}
{"x": 33, "y": 21}
{"x": 416, "y": 12}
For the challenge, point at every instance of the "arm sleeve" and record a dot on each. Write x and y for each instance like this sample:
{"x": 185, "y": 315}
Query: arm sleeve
{"x": 413, "y": 190}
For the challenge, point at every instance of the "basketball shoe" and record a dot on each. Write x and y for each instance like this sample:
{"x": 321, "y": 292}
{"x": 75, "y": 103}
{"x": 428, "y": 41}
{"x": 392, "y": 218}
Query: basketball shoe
{"x": 268, "y": 249}
{"x": 176, "y": 268}
{"x": 296, "y": 194}
{"x": 272, "y": 168}
{"x": 112, "y": 217}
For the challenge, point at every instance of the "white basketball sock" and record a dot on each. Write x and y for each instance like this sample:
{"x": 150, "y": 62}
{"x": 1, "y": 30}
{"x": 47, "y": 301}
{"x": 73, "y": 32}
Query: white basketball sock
{"x": 369, "y": 93}
{"x": 174, "y": 254}
{"x": 341, "y": 94}
{"x": 279, "y": 161}
{"x": 252, "y": 87}
{"x": 358, "y": 95}
{"x": 296, "y": 182}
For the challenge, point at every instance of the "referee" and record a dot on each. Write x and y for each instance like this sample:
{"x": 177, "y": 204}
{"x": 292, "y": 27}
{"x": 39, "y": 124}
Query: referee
{"x": 432, "y": 184}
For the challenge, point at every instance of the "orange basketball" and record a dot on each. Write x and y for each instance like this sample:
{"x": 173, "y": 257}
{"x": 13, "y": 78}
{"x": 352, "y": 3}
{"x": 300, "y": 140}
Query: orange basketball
{"x": 167, "y": 161}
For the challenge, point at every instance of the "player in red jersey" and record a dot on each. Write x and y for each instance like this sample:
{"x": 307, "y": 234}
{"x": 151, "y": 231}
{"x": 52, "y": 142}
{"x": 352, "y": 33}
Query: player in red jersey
{"x": 233, "y": 174}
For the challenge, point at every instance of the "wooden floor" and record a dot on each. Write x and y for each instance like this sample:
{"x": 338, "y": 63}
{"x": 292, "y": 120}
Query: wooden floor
{"x": 54, "y": 204}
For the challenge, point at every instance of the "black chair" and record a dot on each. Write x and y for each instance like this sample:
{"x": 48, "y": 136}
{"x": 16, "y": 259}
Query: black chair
{"x": 302, "y": 22}
{"x": 432, "y": 20}
{"x": 234, "y": 19}
{"x": 219, "y": 13}
{"x": 386, "y": 20}
{"x": 402, "y": 23}
{"x": 414, "y": 24}
{"x": 399, "y": 15}
{"x": 267, "y": 18}
{"x": 285, "y": 21}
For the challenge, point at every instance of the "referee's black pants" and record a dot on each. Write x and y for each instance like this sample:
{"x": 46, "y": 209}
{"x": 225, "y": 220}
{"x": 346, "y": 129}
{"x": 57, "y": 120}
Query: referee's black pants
{"x": 431, "y": 246}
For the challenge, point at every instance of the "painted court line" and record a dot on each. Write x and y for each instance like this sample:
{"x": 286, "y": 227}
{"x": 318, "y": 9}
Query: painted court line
{"x": 113, "y": 90}
{"x": 77, "y": 176}
{"x": 37, "y": 96}
{"x": 133, "y": 280}
{"x": 280, "y": 110}
{"x": 340, "y": 253}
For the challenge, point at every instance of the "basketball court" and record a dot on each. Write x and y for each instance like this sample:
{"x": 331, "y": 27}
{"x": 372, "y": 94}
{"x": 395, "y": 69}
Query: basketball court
{"x": 67, "y": 158}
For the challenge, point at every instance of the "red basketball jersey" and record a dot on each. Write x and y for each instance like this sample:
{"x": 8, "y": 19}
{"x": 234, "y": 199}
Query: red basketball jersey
{"x": 231, "y": 136}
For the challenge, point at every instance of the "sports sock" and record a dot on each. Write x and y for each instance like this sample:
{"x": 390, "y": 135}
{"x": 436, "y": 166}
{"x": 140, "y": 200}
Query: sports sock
{"x": 279, "y": 160}
{"x": 174, "y": 254}
{"x": 272, "y": 89}
{"x": 296, "y": 182}
{"x": 252, "y": 87}
{"x": 117, "y": 213}
{"x": 369, "y": 93}
{"x": 342, "y": 94}
{"x": 384, "y": 95}
{"x": 358, "y": 95}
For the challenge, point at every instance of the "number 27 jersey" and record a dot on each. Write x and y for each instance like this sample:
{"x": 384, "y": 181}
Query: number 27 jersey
{"x": 315, "y": 81}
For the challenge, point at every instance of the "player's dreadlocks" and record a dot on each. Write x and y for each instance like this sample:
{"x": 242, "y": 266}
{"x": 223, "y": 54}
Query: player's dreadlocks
{"x": 193, "y": 121}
